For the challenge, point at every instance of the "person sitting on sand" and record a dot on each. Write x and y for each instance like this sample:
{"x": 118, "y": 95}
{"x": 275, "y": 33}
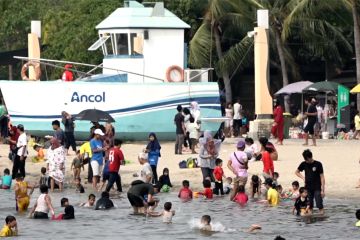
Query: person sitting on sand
{"x": 357, "y": 214}
{"x": 104, "y": 202}
{"x": 21, "y": 193}
{"x": 10, "y": 229}
{"x": 302, "y": 203}
{"x": 40, "y": 157}
{"x": 185, "y": 192}
{"x": 240, "y": 197}
{"x": 136, "y": 195}
{"x": 90, "y": 203}
{"x": 167, "y": 214}
{"x": 206, "y": 223}
{"x": 255, "y": 186}
{"x": 6, "y": 180}
{"x": 43, "y": 205}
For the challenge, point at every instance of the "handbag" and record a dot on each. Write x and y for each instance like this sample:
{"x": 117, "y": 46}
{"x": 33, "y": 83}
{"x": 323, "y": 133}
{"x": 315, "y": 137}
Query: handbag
{"x": 241, "y": 163}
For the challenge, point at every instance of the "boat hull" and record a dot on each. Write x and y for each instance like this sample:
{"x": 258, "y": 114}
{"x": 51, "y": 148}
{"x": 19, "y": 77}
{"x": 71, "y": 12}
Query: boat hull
{"x": 137, "y": 108}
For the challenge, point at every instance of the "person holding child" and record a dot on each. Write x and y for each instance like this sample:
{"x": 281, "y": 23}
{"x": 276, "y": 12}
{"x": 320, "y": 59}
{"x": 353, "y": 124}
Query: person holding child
{"x": 209, "y": 151}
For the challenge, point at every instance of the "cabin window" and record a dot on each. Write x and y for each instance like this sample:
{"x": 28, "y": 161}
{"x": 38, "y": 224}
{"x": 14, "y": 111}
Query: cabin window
{"x": 133, "y": 36}
{"x": 122, "y": 44}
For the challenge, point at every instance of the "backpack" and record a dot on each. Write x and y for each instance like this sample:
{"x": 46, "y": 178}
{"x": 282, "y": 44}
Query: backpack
{"x": 191, "y": 162}
{"x": 182, "y": 164}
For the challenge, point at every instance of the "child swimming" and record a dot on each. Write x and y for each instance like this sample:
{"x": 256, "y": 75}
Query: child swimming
{"x": 79, "y": 186}
{"x": 185, "y": 192}
{"x": 302, "y": 203}
{"x": 255, "y": 186}
{"x": 104, "y": 202}
{"x": 90, "y": 203}
{"x": 167, "y": 214}
{"x": 241, "y": 197}
{"x": 10, "y": 229}
{"x": 272, "y": 195}
{"x": 208, "y": 192}
{"x": 69, "y": 212}
{"x": 206, "y": 223}
{"x": 21, "y": 193}
{"x": 6, "y": 180}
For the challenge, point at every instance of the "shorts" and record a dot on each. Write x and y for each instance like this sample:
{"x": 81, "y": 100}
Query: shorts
{"x": 40, "y": 215}
{"x": 240, "y": 181}
{"x": 96, "y": 167}
{"x": 22, "y": 204}
{"x": 309, "y": 128}
{"x": 105, "y": 177}
{"x": 315, "y": 194}
{"x": 135, "y": 201}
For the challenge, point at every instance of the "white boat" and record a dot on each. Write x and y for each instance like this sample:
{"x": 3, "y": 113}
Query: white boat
{"x": 142, "y": 82}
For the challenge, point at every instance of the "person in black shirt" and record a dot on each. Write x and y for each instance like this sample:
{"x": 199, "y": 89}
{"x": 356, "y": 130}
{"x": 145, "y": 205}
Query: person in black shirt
{"x": 104, "y": 202}
{"x": 180, "y": 130}
{"x": 302, "y": 203}
{"x": 69, "y": 125}
{"x": 164, "y": 179}
{"x": 140, "y": 196}
{"x": 314, "y": 179}
{"x": 311, "y": 114}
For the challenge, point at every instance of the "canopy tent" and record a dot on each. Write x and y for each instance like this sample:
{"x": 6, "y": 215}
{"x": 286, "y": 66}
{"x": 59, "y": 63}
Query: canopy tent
{"x": 324, "y": 86}
{"x": 356, "y": 89}
{"x": 296, "y": 87}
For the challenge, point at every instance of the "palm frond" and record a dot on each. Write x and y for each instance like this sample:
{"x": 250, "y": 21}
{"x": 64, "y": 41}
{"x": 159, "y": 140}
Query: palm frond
{"x": 201, "y": 47}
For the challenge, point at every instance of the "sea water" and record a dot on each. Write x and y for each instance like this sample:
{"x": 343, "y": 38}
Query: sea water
{"x": 229, "y": 220}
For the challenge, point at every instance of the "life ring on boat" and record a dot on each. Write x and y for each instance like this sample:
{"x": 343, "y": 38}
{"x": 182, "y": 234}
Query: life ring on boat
{"x": 175, "y": 74}
{"x": 25, "y": 68}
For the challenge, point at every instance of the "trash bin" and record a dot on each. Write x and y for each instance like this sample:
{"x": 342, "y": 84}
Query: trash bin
{"x": 287, "y": 124}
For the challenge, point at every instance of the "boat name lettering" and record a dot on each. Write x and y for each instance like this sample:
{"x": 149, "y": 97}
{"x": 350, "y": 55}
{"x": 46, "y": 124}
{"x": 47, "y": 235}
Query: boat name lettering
{"x": 76, "y": 97}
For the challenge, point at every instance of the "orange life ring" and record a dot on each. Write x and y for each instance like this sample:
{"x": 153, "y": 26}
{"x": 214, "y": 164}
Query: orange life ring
{"x": 25, "y": 67}
{"x": 177, "y": 68}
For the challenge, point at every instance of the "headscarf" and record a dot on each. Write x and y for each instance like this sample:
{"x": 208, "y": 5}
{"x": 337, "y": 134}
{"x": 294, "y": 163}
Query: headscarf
{"x": 194, "y": 106}
{"x": 153, "y": 145}
{"x": 15, "y": 134}
{"x": 211, "y": 145}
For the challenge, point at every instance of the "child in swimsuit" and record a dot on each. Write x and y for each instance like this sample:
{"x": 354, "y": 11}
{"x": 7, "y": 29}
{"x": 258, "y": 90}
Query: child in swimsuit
{"x": 90, "y": 203}
{"x": 6, "y": 180}
{"x": 185, "y": 192}
{"x": 167, "y": 214}
{"x": 205, "y": 223}
{"x": 21, "y": 194}
{"x": 255, "y": 186}
{"x": 302, "y": 203}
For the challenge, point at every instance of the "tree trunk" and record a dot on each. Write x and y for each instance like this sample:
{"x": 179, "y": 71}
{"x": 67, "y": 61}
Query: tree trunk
{"x": 280, "y": 50}
{"x": 225, "y": 73}
{"x": 11, "y": 72}
{"x": 357, "y": 45}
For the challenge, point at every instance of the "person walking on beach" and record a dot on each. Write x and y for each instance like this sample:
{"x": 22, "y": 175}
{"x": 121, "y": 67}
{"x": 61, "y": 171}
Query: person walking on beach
{"x": 278, "y": 125}
{"x": 69, "y": 125}
{"x": 237, "y": 119}
{"x": 153, "y": 151}
{"x": 58, "y": 132}
{"x": 311, "y": 114}
{"x": 314, "y": 179}
{"x": 180, "y": 130}
{"x": 116, "y": 158}
{"x": 209, "y": 151}
{"x": 97, "y": 149}
{"x": 22, "y": 152}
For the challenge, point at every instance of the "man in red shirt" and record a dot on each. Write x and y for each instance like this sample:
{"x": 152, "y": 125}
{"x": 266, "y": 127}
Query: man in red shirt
{"x": 67, "y": 75}
{"x": 116, "y": 158}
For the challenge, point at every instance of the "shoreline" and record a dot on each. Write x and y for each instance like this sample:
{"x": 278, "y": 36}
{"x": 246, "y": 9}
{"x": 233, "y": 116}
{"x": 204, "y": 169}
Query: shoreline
{"x": 340, "y": 159}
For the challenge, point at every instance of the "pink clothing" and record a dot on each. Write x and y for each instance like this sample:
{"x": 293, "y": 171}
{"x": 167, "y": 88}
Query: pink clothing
{"x": 238, "y": 160}
{"x": 241, "y": 198}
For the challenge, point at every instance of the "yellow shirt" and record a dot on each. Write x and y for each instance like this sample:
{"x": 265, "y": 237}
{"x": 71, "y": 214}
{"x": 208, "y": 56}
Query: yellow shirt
{"x": 357, "y": 122}
{"x": 7, "y": 232}
{"x": 273, "y": 197}
{"x": 85, "y": 148}
{"x": 22, "y": 191}
{"x": 357, "y": 224}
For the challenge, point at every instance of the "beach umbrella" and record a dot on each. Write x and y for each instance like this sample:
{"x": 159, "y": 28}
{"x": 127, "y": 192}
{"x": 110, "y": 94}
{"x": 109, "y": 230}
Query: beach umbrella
{"x": 94, "y": 115}
{"x": 296, "y": 87}
{"x": 324, "y": 86}
{"x": 356, "y": 89}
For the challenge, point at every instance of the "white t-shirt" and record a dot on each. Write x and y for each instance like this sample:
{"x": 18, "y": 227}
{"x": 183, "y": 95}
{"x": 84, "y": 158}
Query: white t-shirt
{"x": 21, "y": 144}
{"x": 193, "y": 130}
{"x": 237, "y": 109}
{"x": 145, "y": 171}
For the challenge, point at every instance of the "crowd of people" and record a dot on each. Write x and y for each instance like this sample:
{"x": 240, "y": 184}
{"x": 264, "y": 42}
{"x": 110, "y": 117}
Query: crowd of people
{"x": 103, "y": 156}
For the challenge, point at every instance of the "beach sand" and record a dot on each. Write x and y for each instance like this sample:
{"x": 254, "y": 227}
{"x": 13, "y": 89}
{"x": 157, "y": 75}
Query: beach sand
{"x": 340, "y": 160}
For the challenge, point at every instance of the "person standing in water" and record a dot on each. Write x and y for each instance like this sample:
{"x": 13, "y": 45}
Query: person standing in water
{"x": 278, "y": 125}
{"x": 137, "y": 193}
{"x": 97, "y": 148}
{"x": 314, "y": 180}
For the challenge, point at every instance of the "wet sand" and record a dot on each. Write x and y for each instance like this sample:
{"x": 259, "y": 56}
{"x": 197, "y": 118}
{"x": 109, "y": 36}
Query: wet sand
{"x": 340, "y": 160}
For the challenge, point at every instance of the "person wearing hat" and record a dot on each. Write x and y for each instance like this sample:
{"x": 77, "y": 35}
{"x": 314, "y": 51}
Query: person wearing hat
{"x": 21, "y": 154}
{"x": 238, "y": 164}
{"x": 311, "y": 114}
{"x": 68, "y": 76}
{"x": 97, "y": 148}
